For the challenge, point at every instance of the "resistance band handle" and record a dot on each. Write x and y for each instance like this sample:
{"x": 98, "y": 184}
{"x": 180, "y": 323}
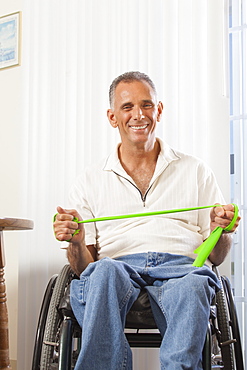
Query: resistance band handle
{"x": 204, "y": 250}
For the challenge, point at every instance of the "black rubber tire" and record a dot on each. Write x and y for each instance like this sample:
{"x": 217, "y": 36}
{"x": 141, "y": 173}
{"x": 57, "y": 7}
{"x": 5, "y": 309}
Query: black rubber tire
{"x": 225, "y": 333}
{"x": 41, "y": 323}
{"x": 224, "y": 336}
{"x": 238, "y": 354}
{"x": 53, "y": 317}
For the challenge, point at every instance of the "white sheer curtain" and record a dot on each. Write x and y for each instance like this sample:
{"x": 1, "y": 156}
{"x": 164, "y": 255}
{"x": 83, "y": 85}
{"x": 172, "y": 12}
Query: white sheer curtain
{"x": 71, "y": 52}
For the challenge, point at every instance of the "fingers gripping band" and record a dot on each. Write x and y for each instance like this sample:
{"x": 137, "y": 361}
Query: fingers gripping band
{"x": 203, "y": 250}
{"x": 75, "y": 220}
{"x": 232, "y": 223}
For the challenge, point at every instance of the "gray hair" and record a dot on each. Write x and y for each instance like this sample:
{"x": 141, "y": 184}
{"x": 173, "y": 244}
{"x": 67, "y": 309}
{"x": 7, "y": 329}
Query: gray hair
{"x": 129, "y": 77}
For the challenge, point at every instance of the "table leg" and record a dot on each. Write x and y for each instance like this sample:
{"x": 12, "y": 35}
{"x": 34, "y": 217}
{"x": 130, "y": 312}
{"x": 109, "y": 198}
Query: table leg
{"x": 4, "y": 334}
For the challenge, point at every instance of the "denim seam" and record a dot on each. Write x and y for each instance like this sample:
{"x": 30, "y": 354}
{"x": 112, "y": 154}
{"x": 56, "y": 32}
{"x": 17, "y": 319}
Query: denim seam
{"x": 125, "y": 354}
{"x": 161, "y": 305}
{"x": 126, "y": 298}
{"x": 164, "y": 313}
{"x": 84, "y": 287}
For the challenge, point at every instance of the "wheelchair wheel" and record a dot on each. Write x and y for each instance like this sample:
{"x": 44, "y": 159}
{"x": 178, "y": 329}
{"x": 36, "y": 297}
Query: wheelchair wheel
{"x": 238, "y": 355}
{"x": 224, "y": 334}
{"x": 48, "y": 360}
{"x": 41, "y": 323}
{"x": 228, "y": 331}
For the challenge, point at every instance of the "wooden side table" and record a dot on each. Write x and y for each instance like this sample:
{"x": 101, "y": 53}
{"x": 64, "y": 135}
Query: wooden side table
{"x": 7, "y": 224}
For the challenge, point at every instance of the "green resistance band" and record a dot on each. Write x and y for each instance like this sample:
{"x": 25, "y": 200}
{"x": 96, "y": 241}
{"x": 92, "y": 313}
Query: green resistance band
{"x": 203, "y": 250}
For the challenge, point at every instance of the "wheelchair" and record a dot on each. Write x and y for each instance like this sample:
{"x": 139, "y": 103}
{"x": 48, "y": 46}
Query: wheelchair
{"x": 58, "y": 335}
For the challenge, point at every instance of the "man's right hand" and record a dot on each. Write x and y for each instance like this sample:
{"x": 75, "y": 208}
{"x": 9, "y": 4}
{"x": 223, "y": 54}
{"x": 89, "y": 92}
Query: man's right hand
{"x": 64, "y": 226}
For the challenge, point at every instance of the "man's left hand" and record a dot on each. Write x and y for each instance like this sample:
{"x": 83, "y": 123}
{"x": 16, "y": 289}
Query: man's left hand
{"x": 222, "y": 216}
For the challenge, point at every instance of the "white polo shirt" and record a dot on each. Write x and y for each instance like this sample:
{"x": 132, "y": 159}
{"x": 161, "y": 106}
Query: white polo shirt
{"x": 179, "y": 181}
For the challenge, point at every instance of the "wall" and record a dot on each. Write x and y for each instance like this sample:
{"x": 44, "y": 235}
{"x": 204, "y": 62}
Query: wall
{"x": 10, "y": 191}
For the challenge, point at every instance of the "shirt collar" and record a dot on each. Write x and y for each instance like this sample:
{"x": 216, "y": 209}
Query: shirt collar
{"x": 166, "y": 156}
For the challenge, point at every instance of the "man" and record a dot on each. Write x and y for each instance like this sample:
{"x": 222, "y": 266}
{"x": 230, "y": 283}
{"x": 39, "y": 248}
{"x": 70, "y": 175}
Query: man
{"x": 152, "y": 253}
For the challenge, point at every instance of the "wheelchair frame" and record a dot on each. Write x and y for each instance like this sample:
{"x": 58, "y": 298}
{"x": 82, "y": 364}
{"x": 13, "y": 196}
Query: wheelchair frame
{"x": 58, "y": 335}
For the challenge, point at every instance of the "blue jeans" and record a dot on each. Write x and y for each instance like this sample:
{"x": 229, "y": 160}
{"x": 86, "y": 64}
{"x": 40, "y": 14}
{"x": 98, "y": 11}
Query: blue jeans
{"x": 180, "y": 297}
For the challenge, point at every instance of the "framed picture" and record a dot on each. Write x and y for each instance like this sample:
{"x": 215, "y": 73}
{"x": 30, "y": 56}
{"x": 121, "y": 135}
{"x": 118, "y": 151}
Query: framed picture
{"x": 10, "y": 40}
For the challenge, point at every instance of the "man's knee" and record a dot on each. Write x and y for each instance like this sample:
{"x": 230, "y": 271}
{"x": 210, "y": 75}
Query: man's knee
{"x": 108, "y": 267}
{"x": 109, "y": 273}
{"x": 104, "y": 265}
{"x": 200, "y": 286}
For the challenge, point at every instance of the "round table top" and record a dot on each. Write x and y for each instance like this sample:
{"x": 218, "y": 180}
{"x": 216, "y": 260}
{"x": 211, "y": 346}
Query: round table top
{"x": 15, "y": 224}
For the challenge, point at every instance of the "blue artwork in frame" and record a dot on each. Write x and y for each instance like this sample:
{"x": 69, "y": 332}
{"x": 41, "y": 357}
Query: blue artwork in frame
{"x": 10, "y": 40}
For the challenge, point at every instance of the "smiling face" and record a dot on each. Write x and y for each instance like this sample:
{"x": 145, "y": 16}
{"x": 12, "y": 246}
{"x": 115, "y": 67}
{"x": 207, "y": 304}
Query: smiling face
{"x": 135, "y": 112}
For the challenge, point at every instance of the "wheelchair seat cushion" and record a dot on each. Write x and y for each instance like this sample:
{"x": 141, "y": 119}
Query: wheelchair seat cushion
{"x": 140, "y": 315}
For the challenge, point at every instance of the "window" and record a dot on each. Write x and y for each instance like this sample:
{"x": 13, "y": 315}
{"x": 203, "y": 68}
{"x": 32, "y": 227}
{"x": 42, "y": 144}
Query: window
{"x": 238, "y": 146}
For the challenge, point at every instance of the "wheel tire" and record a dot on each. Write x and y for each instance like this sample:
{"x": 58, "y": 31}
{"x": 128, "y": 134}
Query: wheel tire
{"x": 234, "y": 323}
{"x": 41, "y": 323}
{"x": 224, "y": 335}
{"x": 53, "y": 317}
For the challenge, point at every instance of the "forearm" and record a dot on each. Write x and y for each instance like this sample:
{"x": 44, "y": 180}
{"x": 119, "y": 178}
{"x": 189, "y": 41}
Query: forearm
{"x": 79, "y": 256}
{"x": 221, "y": 249}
